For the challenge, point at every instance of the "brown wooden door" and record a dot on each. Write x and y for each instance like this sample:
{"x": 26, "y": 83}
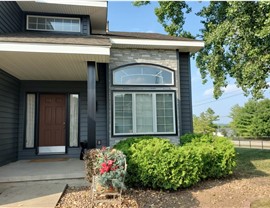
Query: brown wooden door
{"x": 52, "y": 118}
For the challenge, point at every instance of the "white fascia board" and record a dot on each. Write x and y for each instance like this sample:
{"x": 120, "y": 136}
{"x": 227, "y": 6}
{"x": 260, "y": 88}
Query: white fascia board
{"x": 54, "y": 48}
{"x": 75, "y": 2}
{"x": 147, "y": 42}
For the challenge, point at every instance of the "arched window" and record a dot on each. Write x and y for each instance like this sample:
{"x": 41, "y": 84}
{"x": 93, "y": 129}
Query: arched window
{"x": 143, "y": 74}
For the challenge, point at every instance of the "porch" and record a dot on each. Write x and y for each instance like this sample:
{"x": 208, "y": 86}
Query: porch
{"x": 42, "y": 169}
{"x": 53, "y": 95}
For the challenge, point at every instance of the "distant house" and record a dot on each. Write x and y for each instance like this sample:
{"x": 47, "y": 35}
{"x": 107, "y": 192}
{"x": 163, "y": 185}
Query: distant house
{"x": 65, "y": 79}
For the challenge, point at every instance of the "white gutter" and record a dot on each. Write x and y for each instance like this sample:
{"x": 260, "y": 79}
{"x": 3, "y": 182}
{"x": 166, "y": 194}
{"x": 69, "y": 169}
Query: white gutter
{"x": 158, "y": 43}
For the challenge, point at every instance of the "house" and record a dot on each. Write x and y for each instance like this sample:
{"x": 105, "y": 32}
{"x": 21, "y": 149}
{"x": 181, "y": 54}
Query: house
{"x": 65, "y": 79}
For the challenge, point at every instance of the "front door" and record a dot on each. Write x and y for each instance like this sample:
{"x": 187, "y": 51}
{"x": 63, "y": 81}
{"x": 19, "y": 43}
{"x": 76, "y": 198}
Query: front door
{"x": 52, "y": 124}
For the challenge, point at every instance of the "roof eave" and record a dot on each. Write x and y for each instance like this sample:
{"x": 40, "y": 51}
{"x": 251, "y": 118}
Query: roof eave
{"x": 182, "y": 46}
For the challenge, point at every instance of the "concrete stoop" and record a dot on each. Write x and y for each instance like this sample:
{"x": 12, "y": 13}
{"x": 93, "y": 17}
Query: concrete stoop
{"x": 38, "y": 183}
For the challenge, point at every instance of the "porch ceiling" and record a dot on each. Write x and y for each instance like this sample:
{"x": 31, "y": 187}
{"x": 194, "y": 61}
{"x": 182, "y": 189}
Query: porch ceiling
{"x": 47, "y": 66}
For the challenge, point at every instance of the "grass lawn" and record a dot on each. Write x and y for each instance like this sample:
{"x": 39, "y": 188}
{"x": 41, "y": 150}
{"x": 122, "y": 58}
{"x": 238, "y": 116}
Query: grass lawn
{"x": 252, "y": 162}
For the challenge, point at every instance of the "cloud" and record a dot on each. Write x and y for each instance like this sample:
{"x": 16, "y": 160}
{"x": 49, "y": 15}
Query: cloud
{"x": 229, "y": 89}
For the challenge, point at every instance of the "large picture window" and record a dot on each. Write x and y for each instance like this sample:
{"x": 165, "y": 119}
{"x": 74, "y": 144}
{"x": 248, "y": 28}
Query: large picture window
{"x": 48, "y": 23}
{"x": 143, "y": 113}
{"x": 142, "y": 74}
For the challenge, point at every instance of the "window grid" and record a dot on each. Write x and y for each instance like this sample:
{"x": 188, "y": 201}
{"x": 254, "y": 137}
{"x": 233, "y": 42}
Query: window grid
{"x": 123, "y": 113}
{"x": 167, "y": 117}
{"x": 49, "y": 23}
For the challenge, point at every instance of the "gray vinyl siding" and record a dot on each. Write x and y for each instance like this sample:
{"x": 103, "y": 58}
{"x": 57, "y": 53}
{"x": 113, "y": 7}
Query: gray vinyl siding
{"x": 9, "y": 116}
{"x": 11, "y": 17}
{"x": 66, "y": 87}
{"x": 185, "y": 94}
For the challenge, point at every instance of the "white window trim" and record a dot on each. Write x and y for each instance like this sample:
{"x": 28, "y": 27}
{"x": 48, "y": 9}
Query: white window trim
{"x": 54, "y": 17}
{"x": 135, "y": 84}
{"x": 155, "y": 132}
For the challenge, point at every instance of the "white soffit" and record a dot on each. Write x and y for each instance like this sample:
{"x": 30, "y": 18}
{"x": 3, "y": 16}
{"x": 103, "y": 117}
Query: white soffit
{"x": 182, "y": 46}
{"x": 97, "y": 10}
{"x": 50, "y": 62}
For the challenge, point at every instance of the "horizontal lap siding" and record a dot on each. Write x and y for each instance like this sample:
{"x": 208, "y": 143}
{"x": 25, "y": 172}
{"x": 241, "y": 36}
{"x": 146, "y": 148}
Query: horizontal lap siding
{"x": 9, "y": 117}
{"x": 11, "y": 17}
{"x": 185, "y": 91}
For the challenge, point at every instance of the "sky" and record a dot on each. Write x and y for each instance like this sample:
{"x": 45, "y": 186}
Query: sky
{"x": 123, "y": 16}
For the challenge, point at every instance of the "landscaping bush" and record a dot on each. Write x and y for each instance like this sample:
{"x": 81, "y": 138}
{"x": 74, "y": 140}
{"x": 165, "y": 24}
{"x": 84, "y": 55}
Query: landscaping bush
{"x": 187, "y": 138}
{"x": 155, "y": 162}
{"x": 217, "y": 154}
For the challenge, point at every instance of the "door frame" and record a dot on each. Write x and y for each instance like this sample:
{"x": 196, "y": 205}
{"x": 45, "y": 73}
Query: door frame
{"x": 66, "y": 120}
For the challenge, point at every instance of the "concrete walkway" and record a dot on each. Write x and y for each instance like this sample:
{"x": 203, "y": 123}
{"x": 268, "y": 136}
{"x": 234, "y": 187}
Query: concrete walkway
{"x": 42, "y": 169}
{"x": 35, "y": 194}
{"x": 38, "y": 183}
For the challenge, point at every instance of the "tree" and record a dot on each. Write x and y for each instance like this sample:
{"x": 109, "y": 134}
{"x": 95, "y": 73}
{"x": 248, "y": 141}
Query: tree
{"x": 237, "y": 42}
{"x": 253, "y": 119}
{"x": 205, "y": 122}
{"x": 242, "y": 118}
{"x": 170, "y": 15}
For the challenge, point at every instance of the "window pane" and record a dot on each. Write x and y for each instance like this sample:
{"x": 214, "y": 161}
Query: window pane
{"x": 32, "y": 26}
{"x": 165, "y": 118}
{"x": 67, "y": 25}
{"x": 74, "y": 120}
{"x": 123, "y": 113}
{"x": 30, "y": 120}
{"x": 143, "y": 75}
{"x": 32, "y": 20}
{"x": 144, "y": 113}
{"x": 49, "y": 23}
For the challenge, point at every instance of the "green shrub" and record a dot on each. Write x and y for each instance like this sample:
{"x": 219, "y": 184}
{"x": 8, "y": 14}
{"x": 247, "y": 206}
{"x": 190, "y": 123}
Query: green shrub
{"x": 154, "y": 162}
{"x": 187, "y": 138}
{"x": 125, "y": 145}
{"x": 217, "y": 154}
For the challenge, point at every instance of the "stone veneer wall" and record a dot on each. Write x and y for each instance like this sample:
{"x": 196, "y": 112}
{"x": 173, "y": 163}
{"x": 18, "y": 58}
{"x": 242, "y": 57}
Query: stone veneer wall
{"x": 120, "y": 57}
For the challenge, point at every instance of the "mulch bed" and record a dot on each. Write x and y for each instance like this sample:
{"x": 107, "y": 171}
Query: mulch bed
{"x": 230, "y": 192}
